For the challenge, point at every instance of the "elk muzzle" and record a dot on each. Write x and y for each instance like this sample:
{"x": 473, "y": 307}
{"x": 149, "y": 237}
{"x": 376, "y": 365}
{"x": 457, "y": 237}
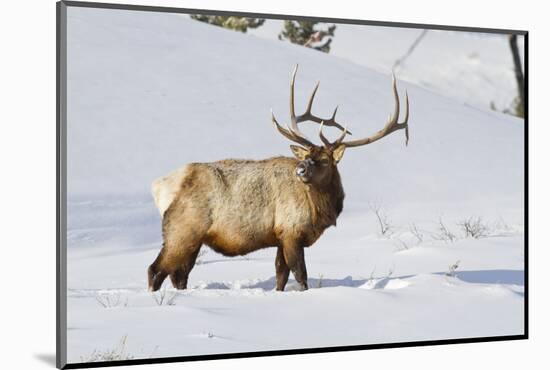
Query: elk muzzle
{"x": 304, "y": 170}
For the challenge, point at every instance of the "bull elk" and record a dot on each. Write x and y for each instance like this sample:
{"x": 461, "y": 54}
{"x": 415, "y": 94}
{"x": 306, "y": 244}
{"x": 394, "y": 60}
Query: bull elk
{"x": 240, "y": 206}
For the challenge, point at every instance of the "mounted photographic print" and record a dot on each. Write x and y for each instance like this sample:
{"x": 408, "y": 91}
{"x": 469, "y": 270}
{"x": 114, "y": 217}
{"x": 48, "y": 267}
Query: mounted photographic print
{"x": 235, "y": 185}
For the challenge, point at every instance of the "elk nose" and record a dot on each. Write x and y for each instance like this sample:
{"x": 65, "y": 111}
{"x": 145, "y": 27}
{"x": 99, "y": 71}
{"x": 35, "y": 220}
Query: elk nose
{"x": 300, "y": 170}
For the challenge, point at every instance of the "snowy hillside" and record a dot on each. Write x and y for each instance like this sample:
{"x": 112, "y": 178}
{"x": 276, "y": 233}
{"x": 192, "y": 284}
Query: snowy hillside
{"x": 148, "y": 93}
{"x": 474, "y": 68}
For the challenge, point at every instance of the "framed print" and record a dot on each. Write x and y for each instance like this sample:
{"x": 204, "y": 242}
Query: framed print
{"x": 216, "y": 201}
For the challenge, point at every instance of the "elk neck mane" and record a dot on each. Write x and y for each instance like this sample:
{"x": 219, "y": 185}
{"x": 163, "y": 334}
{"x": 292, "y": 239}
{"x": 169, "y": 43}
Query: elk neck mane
{"x": 326, "y": 203}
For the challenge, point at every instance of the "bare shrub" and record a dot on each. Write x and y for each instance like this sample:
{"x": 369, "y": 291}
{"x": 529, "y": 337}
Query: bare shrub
{"x": 161, "y": 298}
{"x": 416, "y": 232}
{"x": 501, "y": 224}
{"x": 474, "y": 227}
{"x": 384, "y": 222}
{"x": 371, "y": 278}
{"x": 503, "y": 228}
{"x": 320, "y": 284}
{"x": 401, "y": 244}
{"x": 117, "y": 353}
{"x": 110, "y": 300}
{"x": 452, "y": 269}
{"x": 444, "y": 233}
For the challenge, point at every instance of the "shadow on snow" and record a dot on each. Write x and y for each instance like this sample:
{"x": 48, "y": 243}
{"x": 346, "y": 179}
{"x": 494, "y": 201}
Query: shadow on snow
{"x": 507, "y": 277}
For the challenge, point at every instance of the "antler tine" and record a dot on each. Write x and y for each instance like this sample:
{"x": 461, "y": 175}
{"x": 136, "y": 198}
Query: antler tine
{"x": 406, "y": 120}
{"x": 327, "y": 143}
{"x": 334, "y": 114}
{"x": 293, "y": 128}
{"x": 322, "y": 137}
{"x": 307, "y": 116}
{"x": 395, "y": 115}
{"x": 339, "y": 140}
{"x": 289, "y": 134}
{"x": 391, "y": 125}
{"x": 310, "y": 101}
{"x": 333, "y": 122}
{"x": 293, "y": 121}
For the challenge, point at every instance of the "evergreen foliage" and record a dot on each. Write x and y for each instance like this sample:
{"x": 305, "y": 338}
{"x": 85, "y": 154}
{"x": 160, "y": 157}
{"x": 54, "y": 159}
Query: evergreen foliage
{"x": 308, "y": 34}
{"x": 241, "y": 24}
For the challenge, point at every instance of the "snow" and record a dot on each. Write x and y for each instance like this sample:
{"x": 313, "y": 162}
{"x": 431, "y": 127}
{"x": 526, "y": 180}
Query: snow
{"x": 474, "y": 68}
{"x": 150, "y": 92}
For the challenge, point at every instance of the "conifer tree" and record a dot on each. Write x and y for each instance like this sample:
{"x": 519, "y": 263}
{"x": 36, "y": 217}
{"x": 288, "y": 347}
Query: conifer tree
{"x": 241, "y": 24}
{"x": 309, "y": 34}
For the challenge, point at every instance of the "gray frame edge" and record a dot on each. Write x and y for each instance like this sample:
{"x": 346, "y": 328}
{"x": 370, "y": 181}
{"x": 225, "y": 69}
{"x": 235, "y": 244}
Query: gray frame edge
{"x": 167, "y": 9}
{"x": 61, "y": 188}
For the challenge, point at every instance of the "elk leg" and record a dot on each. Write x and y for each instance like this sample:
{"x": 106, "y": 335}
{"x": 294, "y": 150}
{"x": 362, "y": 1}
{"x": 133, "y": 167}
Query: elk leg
{"x": 179, "y": 278}
{"x": 155, "y": 274}
{"x": 182, "y": 242}
{"x": 294, "y": 257}
{"x": 180, "y": 275}
{"x": 175, "y": 260}
{"x": 281, "y": 270}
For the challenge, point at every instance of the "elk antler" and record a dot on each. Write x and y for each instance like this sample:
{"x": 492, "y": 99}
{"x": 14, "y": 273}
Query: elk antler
{"x": 334, "y": 144}
{"x": 390, "y": 126}
{"x": 307, "y": 116}
{"x": 289, "y": 134}
{"x": 292, "y": 132}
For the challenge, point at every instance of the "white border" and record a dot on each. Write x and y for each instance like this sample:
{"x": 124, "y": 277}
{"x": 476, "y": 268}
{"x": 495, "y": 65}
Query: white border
{"x": 28, "y": 186}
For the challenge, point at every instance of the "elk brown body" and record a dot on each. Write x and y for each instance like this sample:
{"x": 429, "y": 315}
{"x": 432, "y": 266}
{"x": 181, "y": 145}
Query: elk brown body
{"x": 239, "y": 206}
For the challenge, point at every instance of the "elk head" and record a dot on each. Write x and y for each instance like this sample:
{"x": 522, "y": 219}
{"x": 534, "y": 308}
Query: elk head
{"x": 317, "y": 163}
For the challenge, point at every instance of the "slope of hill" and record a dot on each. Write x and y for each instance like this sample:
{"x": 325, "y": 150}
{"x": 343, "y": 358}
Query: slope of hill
{"x": 473, "y": 68}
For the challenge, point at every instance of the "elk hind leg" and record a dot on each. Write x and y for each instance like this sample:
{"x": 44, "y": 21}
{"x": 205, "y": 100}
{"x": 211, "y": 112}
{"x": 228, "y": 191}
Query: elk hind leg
{"x": 155, "y": 273}
{"x": 176, "y": 259}
{"x": 183, "y": 230}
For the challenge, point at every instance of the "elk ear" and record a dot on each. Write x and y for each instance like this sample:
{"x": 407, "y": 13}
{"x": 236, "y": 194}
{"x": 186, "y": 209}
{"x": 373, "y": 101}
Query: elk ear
{"x": 299, "y": 152}
{"x": 338, "y": 153}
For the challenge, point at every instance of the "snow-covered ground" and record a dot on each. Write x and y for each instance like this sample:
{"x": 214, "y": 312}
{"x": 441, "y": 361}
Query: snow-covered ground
{"x": 149, "y": 92}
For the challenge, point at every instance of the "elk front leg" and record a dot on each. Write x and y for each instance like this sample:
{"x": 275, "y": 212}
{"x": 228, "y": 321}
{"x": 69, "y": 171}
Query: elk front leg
{"x": 179, "y": 278}
{"x": 181, "y": 274}
{"x": 294, "y": 257}
{"x": 281, "y": 269}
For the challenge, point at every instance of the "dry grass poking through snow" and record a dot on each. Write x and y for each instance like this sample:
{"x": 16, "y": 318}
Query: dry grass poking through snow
{"x": 110, "y": 301}
{"x": 117, "y": 353}
{"x": 162, "y": 298}
{"x": 472, "y": 227}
